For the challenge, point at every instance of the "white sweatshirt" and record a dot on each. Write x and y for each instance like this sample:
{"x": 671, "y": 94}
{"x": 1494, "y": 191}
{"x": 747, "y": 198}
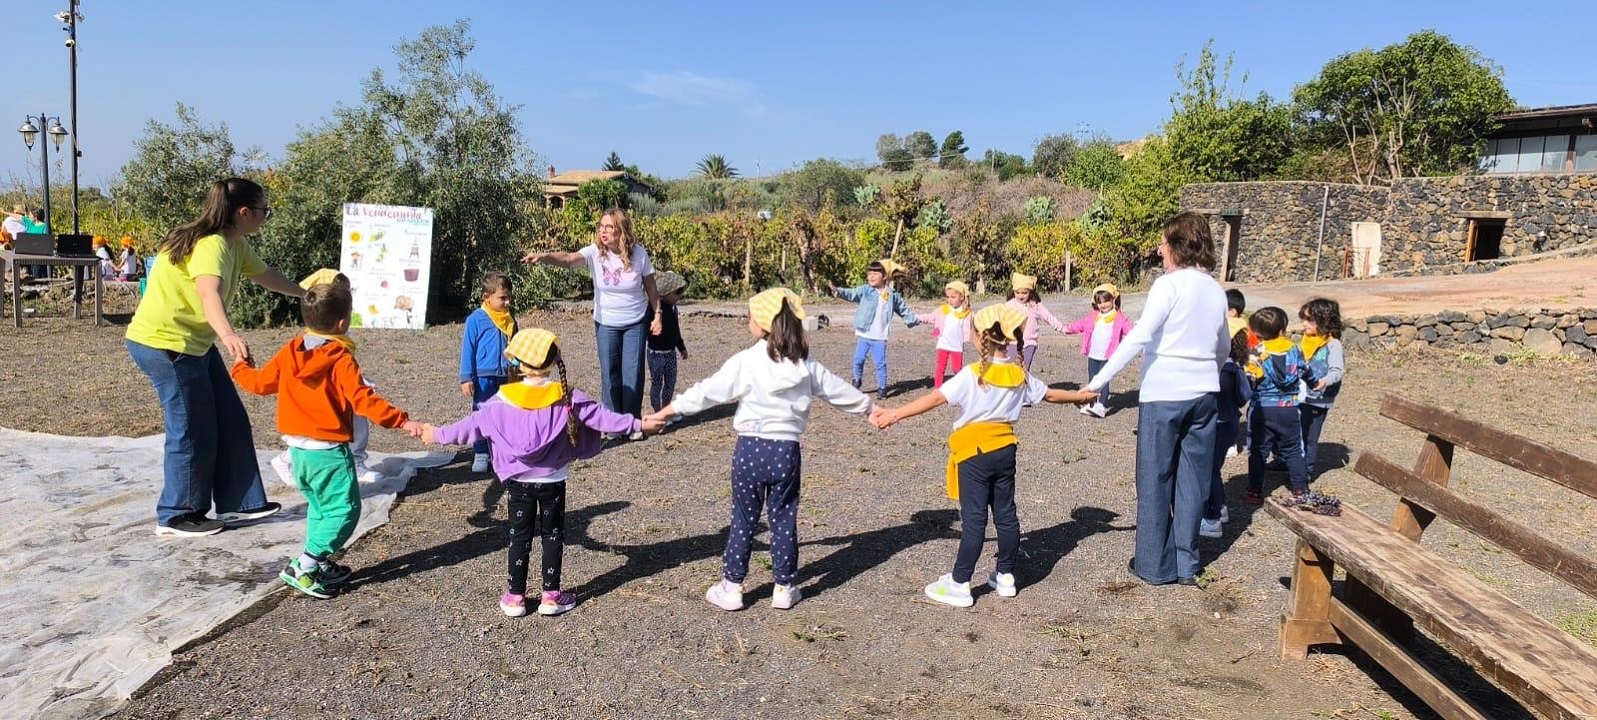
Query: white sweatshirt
{"x": 1183, "y": 329}
{"x": 773, "y": 397}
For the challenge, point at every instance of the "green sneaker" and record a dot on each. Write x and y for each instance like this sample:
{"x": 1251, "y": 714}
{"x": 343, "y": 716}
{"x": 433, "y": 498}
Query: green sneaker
{"x": 308, "y": 582}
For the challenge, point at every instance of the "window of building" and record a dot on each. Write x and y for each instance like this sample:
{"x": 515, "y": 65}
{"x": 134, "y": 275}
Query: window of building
{"x": 1502, "y": 156}
{"x": 1586, "y": 152}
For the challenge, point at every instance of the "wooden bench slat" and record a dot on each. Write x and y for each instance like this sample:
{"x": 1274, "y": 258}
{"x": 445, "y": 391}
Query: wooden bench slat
{"x": 1541, "y": 665}
{"x": 1409, "y": 671}
{"x": 1535, "y": 550}
{"x": 1571, "y": 471}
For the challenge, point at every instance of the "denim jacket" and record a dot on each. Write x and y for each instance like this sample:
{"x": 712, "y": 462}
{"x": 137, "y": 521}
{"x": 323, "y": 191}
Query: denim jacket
{"x": 867, "y": 297}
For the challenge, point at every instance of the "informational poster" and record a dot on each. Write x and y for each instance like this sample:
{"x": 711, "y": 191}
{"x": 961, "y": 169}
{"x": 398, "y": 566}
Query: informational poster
{"x": 387, "y": 255}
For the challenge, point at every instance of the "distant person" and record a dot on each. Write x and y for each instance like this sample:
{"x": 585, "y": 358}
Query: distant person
{"x": 483, "y": 365}
{"x": 1278, "y": 370}
{"x": 108, "y": 268}
{"x": 35, "y": 222}
{"x": 1322, "y": 348}
{"x": 1101, "y": 330}
{"x": 878, "y": 303}
{"x": 953, "y": 328}
{"x": 131, "y": 267}
{"x": 1023, "y": 295}
{"x": 668, "y": 344}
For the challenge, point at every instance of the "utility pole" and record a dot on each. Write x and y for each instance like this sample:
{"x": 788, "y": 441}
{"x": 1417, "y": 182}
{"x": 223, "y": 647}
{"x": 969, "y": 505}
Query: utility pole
{"x": 71, "y": 18}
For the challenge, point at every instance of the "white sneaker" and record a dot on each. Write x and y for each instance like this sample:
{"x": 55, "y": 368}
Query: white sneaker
{"x": 479, "y": 462}
{"x": 1085, "y": 411}
{"x": 1225, "y": 514}
{"x": 1209, "y": 528}
{"x": 1004, "y": 583}
{"x": 784, "y": 597}
{"x": 1231, "y": 452}
{"x": 284, "y": 466}
{"x": 366, "y": 475}
{"x": 1097, "y": 410}
{"x": 948, "y": 592}
{"x": 726, "y": 595}
{"x": 634, "y": 437}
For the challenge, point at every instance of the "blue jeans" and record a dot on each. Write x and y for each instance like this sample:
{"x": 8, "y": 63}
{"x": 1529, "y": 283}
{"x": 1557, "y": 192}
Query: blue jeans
{"x": 483, "y": 388}
{"x": 877, "y": 349}
{"x": 1312, "y": 418}
{"x": 1175, "y": 459}
{"x": 1225, "y": 436}
{"x": 987, "y": 481}
{"x": 621, "y": 367}
{"x": 1278, "y": 430}
{"x": 1093, "y": 366}
{"x": 210, "y": 450}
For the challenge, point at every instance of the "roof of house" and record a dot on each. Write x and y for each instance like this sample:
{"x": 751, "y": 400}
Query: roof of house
{"x": 1557, "y": 111}
{"x": 568, "y": 181}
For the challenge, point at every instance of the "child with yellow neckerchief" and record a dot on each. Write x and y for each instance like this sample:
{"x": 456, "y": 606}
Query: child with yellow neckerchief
{"x": 538, "y": 426}
{"x": 952, "y": 326}
{"x": 482, "y": 352}
{"x": 1102, "y": 329}
{"x": 981, "y": 460}
{"x": 319, "y": 392}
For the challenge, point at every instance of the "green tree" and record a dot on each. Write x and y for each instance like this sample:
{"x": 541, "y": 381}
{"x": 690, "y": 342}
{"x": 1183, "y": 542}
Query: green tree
{"x": 1148, "y": 194}
{"x": 952, "y": 153}
{"x": 890, "y": 150}
{"x": 1219, "y": 136}
{"x": 613, "y": 163}
{"x": 1098, "y": 166}
{"x": 920, "y": 145}
{"x": 1054, "y": 155}
{"x": 601, "y": 195}
{"x": 901, "y": 204}
{"x": 1419, "y": 107}
{"x": 1007, "y": 166}
{"x": 715, "y": 167}
{"x": 820, "y": 183}
{"x": 173, "y": 167}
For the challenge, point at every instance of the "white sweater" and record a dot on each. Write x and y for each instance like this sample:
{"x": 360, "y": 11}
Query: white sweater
{"x": 1183, "y": 329}
{"x": 773, "y": 397}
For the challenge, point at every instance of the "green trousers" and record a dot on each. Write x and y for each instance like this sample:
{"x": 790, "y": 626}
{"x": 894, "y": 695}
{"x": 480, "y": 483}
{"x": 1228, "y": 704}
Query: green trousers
{"x": 327, "y": 479}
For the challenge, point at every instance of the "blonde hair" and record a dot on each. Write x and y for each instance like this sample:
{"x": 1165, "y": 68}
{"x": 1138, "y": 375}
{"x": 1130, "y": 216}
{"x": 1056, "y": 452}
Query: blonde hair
{"x": 624, "y": 228}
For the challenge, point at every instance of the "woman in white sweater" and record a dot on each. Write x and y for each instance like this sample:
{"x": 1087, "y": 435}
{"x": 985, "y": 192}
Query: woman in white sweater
{"x": 772, "y": 382}
{"x": 1182, "y": 335}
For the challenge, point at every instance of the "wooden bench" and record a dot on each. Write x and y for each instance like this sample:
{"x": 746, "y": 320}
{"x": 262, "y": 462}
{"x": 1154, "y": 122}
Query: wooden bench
{"x": 1394, "y": 583}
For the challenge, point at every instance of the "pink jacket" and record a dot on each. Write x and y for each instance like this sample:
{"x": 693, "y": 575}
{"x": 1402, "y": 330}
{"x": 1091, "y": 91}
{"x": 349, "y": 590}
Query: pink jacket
{"x": 1120, "y": 327}
{"x": 935, "y": 319}
{"x": 1035, "y": 312}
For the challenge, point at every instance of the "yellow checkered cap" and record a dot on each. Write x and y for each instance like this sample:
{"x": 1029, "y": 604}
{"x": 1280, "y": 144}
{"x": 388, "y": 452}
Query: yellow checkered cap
{"x": 764, "y": 306}
{"x": 323, "y": 276}
{"x": 531, "y": 347}
{"x": 1009, "y": 319}
{"x": 1108, "y": 288}
{"x": 1023, "y": 282}
{"x": 958, "y": 286}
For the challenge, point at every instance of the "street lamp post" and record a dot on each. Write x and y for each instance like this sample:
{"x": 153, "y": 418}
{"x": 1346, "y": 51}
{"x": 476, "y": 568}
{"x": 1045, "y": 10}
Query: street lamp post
{"x": 71, "y": 18}
{"x": 57, "y": 135}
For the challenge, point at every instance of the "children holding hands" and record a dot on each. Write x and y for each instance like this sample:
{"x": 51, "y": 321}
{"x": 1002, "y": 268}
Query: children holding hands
{"x": 1102, "y": 329}
{"x": 953, "y": 327}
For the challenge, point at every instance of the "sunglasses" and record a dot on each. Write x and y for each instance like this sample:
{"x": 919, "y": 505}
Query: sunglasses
{"x": 264, "y": 210}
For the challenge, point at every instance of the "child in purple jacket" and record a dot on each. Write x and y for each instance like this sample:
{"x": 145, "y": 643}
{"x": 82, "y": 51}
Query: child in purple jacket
{"x": 537, "y": 427}
{"x": 1101, "y": 329}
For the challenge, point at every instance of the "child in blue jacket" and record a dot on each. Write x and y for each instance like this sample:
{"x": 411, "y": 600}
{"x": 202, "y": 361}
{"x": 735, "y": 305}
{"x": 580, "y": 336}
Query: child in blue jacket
{"x": 482, "y": 352}
{"x": 1278, "y": 370}
{"x": 878, "y": 302}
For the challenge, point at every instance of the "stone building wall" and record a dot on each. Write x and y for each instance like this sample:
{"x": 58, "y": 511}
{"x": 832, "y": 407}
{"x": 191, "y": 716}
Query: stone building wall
{"x": 1497, "y": 332}
{"x": 1425, "y": 223}
{"x": 1279, "y": 228}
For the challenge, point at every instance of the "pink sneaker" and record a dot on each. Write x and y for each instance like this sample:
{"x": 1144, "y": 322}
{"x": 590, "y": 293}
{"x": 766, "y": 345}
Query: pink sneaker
{"x": 725, "y": 595}
{"x": 555, "y": 602}
{"x": 513, "y": 605}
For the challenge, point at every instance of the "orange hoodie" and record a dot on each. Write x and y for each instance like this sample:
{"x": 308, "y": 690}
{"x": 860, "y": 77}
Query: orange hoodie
{"x": 319, "y": 391}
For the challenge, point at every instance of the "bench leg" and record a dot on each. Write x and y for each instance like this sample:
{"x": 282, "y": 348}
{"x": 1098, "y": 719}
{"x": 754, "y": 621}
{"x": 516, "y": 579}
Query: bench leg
{"x": 1396, "y": 624}
{"x": 1307, "y": 620}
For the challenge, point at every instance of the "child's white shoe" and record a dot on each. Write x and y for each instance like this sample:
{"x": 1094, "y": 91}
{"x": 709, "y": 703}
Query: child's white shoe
{"x": 1004, "y": 583}
{"x": 366, "y": 475}
{"x": 1225, "y": 514}
{"x": 725, "y": 595}
{"x": 948, "y": 592}
{"x": 479, "y": 463}
{"x": 784, "y": 597}
{"x": 1097, "y": 410}
{"x": 1085, "y": 411}
{"x": 1210, "y": 528}
{"x": 1231, "y": 452}
{"x": 284, "y": 467}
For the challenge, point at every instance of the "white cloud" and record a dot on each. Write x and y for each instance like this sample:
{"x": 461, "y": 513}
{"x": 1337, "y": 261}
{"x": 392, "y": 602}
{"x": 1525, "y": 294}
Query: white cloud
{"x": 687, "y": 88}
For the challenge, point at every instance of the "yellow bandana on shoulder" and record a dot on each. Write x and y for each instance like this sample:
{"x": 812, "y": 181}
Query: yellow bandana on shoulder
{"x": 1004, "y": 375}
{"x": 1311, "y": 344}
{"x": 340, "y": 339}
{"x": 532, "y": 397}
{"x": 960, "y": 313}
{"x": 502, "y": 320}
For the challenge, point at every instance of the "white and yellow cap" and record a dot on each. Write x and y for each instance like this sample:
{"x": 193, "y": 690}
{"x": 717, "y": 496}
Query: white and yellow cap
{"x": 531, "y": 347}
{"x": 323, "y": 276}
{"x": 1108, "y": 288}
{"x": 764, "y": 306}
{"x": 1023, "y": 282}
{"x": 1008, "y": 318}
{"x": 892, "y": 268}
{"x": 958, "y": 286}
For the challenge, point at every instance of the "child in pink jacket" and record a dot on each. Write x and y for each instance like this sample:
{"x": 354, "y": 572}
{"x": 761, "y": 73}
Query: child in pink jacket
{"x": 1023, "y": 295}
{"x": 1101, "y": 331}
{"x": 952, "y": 326}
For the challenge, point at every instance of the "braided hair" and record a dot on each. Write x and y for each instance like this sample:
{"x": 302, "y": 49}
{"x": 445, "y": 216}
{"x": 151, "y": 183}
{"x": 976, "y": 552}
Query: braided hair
{"x": 991, "y": 338}
{"x": 559, "y": 364}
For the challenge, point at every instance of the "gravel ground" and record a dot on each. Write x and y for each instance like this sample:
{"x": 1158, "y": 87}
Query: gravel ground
{"x": 419, "y": 633}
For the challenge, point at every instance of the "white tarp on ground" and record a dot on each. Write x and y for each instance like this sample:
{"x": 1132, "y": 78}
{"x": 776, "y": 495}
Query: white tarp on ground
{"x": 94, "y": 601}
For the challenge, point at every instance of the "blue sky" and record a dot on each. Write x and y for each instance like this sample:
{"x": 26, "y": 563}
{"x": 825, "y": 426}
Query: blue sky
{"x": 767, "y": 85}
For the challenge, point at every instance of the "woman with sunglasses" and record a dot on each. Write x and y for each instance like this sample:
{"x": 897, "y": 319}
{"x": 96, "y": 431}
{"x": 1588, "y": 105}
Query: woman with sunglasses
{"x": 210, "y": 451}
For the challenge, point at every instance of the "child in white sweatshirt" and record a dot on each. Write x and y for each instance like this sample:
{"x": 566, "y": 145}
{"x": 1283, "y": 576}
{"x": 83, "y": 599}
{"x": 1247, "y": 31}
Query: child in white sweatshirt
{"x": 772, "y": 382}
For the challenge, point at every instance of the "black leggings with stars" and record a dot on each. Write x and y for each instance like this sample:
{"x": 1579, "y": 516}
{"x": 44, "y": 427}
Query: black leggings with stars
{"x": 536, "y": 508}
{"x": 764, "y": 472}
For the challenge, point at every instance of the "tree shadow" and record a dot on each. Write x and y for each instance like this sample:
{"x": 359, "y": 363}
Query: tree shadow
{"x": 865, "y": 550}
{"x": 1042, "y": 549}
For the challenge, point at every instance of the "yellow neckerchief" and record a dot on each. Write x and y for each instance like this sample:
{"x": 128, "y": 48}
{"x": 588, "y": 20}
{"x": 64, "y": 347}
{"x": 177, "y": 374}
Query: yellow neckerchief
{"x": 1002, "y": 374}
{"x": 532, "y": 396}
{"x": 1311, "y": 344}
{"x": 1267, "y": 348}
{"x": 502, "y": 319}
{"x": 970, "y": 440}
{"x": 885, "y": 293}
{"x": 340, "y": 339}
{"x": 960, "y": 313}
{"x": 1108, "y": 317}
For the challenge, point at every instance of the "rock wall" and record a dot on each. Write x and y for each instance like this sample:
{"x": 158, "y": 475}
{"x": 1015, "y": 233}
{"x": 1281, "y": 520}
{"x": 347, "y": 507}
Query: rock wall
{"x": 1424, "y": 224}
{"x": 1279, "y": 228}
{"x": 1550, "y": 332}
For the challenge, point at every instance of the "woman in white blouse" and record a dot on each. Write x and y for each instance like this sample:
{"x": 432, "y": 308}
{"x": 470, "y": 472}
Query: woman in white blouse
{"x": 623, "y": 289}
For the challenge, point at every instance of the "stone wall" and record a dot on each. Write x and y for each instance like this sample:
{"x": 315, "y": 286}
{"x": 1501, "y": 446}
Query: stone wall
{"x": 1279, "y": 228}
{"x": 1550, "y": 332}
{"x": 1425, "y": 223}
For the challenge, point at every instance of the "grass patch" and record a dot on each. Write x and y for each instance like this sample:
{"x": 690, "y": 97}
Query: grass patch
{"x": 819, "y": 632}
{"x": 1581, "y": 625}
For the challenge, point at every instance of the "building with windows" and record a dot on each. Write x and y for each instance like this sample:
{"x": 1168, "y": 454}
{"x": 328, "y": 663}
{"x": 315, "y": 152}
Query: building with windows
{"x": 1544, "y": 140}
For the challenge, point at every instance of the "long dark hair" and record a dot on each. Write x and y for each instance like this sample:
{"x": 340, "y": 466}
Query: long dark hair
{"x": 553, "y": 358}
{"x": 785, "y": 339}
{"x": 1326, "y": 314}
{"x": 221, "y": 207}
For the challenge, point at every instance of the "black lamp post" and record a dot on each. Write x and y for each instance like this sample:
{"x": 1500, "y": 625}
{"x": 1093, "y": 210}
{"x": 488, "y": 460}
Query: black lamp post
{"x": 70, "y": 18}
{"x": 57, "y": 135}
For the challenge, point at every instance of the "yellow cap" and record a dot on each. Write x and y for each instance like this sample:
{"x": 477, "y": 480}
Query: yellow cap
{"x": 764, "y": 306}
{"x": 127, "y": 241}
{"x": 1108, "y": 288}
{"x": 891, "y": 267}
{"x": 323, "y": 276}
{"x": 958, "y": 286}
{"x": 99, "y": 241}
{"x": 1023, "y": 282}
{"x": 1008, "y": 318}
{"x": 531, "y": 347}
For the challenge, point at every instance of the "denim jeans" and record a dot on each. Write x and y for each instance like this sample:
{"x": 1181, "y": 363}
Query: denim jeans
{"x": 1225, "y": 436}
{"x": 210, "y": 450}
{"x": 1175, "y": 460}
{"x": 1278, "y": 430}
{"x": 1093, "y": 366}
{"x": 987, "y": 481}
{"x": 482, "y": 389}
{"x": 877, "y": 349}
{"x": 1312, "y": 418}
{"x": 621, "y": 351}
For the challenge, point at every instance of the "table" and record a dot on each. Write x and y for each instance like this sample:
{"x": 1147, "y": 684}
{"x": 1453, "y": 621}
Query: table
{"x": 15, "y": 263}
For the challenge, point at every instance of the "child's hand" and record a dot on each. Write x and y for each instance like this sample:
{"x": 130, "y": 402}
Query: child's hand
{"x": 684, "y": 352}
{"x": 429, "y": 434}
{"x": 883, "y": 418}
{"x": 411, "y": 428}
{"x": 652, "y": 425}
{"x": 465, "y": 389}
{"x": 659, "y": 416}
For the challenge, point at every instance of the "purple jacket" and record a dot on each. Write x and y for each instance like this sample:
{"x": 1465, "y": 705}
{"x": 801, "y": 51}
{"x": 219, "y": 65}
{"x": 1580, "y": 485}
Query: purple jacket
{"x": 533, "y": 442}
{"x": 1118, "y": 329}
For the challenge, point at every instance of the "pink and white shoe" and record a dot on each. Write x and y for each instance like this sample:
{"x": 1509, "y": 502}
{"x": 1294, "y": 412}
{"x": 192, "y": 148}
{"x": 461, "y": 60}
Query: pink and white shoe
{"x": 725, "y": 595}
{"x": 513, "y": 605}
{"x": 555, "y": 602}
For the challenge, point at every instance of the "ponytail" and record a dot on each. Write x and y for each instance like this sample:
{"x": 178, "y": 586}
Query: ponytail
{"x": 222, "y": 202}
{"x": 785, "y": 339}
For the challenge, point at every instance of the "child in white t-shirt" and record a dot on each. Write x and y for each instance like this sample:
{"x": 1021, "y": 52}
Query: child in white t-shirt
{"x": 952, "y": 326}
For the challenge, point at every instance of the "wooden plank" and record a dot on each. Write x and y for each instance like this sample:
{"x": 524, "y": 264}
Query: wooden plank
{"x": 1515, "y": 451}
{"x": 1307, "y": 616}
{"x": 1411, "y": 672}
{"x": 1542, "y": 666}
{"x": 1535, "y": 550}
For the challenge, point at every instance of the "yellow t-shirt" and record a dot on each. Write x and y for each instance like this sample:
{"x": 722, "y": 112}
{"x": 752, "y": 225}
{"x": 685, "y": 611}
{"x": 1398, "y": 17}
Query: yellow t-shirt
{"x": 170, "y": 316}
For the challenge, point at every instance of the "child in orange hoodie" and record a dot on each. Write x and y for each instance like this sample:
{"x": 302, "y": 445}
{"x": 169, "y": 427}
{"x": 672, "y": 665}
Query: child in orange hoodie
{"x": 319, "y": 392}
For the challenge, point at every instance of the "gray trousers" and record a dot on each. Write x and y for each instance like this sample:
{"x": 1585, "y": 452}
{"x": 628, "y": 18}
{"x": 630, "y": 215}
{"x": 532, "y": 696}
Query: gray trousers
{"x": 1175, "y": 456}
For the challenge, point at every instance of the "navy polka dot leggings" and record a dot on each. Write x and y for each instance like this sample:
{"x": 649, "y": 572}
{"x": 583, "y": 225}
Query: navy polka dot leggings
{"x": 764, "y": 472}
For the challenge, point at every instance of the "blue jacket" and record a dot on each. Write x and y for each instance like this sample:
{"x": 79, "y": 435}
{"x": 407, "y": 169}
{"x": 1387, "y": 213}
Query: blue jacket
{"x": 867, "y": 297}
{"x": 1283, "y": 374}
{"x": 1235, "y": 392}
{"x": 482, "y": 348}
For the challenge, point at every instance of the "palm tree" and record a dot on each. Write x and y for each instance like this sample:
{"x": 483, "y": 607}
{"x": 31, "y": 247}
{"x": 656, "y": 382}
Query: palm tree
{"x": 715, "y": 167}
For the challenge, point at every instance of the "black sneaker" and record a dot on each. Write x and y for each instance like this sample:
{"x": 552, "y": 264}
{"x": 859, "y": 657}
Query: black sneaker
{"x": 193, "y": 525}
{"x": 238, "y": 516}
{"x": 857, "y": 383}
{"x": 881, "y": 394}
{"x": 332, "y": 573}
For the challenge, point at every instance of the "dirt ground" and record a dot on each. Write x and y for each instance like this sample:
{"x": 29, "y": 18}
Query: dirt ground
{"x": 419, "y": 633}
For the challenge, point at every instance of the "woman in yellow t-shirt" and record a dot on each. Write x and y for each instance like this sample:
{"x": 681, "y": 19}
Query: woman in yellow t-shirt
{"x": 210, "y": 451}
